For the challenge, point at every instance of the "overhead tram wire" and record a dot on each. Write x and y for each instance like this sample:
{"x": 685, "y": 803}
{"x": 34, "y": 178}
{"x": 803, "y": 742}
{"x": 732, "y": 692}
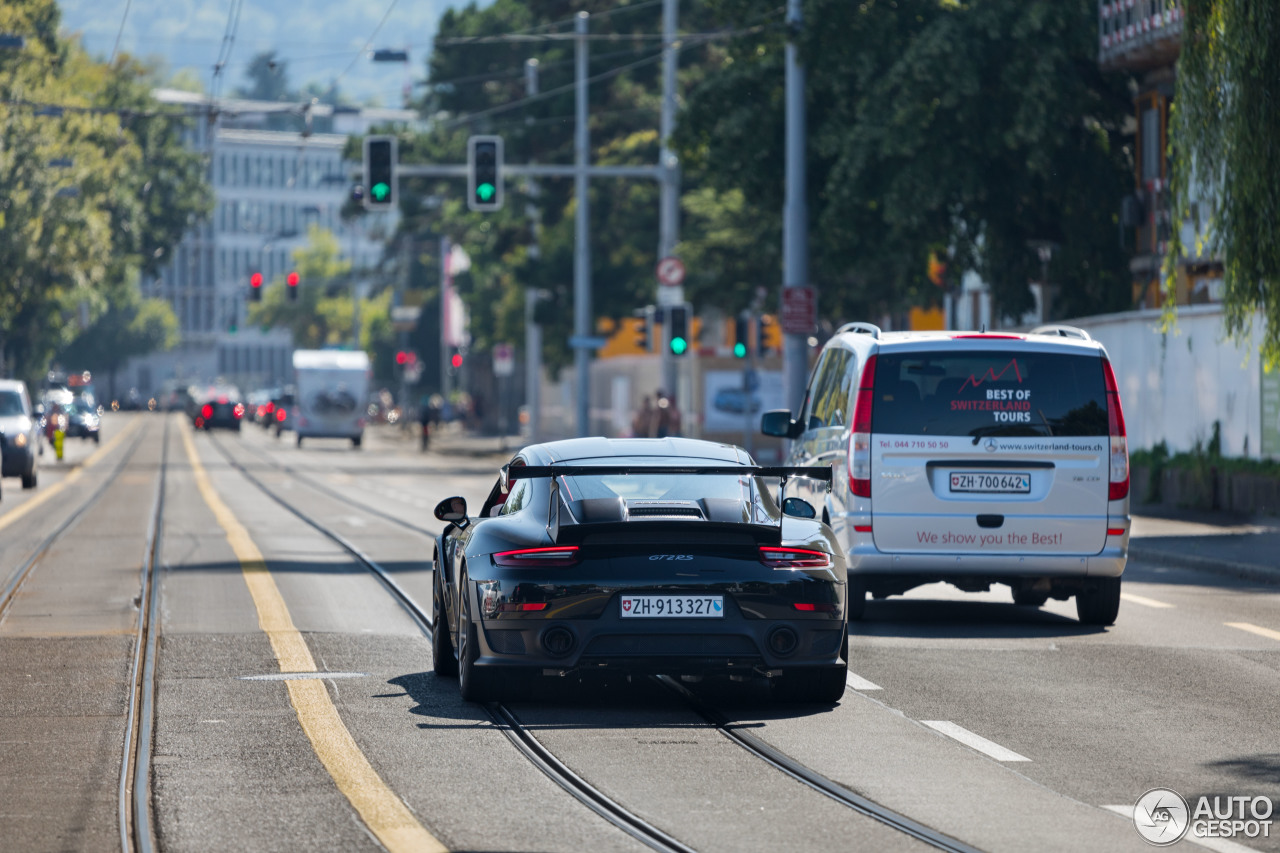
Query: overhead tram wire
{"x": 119, "y": 33}
{"x": 333, "y": 87}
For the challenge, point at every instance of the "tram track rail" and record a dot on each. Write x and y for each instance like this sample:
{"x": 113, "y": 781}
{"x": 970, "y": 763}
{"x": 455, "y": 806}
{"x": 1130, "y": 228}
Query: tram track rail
{"x": 541, "y": 757}
{"x": 137, "y": 833}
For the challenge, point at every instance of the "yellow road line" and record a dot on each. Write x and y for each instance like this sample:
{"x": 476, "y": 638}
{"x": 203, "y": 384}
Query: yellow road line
{"x": 45, "y": 495}
{"x": 382, "y": 811}
{"x": 1254, "y": 629}
{"x": 1144, "y": 601}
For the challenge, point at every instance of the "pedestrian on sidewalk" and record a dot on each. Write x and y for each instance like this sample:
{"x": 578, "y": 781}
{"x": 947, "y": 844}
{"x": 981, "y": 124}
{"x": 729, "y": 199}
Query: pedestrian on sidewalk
{"x": 643, "y": 421}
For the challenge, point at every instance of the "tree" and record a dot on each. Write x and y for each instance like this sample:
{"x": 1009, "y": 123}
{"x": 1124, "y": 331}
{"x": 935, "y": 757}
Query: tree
{"x": 133, "y": 326}
{"x": 974, "y": 127}
{"x": 1226, "y": 123}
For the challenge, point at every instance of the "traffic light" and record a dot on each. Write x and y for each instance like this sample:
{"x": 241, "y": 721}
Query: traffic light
{"x": 484, "y": 173}
{"x": 255, "y": 287}
{"x": 292, "y": 280}
{"x": 741, "y": 334}
{"x": 678, "y": 338}
{"x": 379, "y": 172}
{"x": 455, "y": 361}
{"x": 644, "y": 328}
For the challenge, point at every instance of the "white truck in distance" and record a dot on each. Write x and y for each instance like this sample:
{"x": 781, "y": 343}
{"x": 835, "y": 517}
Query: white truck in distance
{"x": 333, "y": 386}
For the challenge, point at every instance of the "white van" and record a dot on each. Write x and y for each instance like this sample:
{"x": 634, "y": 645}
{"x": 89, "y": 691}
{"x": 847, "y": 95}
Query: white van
{"x": 332, "y": 387}
{"x": 970, "y": 458}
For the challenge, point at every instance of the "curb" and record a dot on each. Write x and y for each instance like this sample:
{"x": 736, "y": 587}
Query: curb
{"x": 1244, "y": 571}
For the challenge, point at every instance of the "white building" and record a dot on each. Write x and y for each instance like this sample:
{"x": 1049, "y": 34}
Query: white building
{"x": 269, "y": 187}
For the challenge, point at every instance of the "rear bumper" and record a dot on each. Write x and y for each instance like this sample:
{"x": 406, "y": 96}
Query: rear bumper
{"x": 1107, "y": 563}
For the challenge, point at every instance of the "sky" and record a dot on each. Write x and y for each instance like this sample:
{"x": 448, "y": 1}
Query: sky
{"x": 318, "y": 39}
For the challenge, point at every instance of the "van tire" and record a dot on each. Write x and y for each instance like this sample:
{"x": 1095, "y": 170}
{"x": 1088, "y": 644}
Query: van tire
{"x": 1099, "y": 602}
{"x": 857, "y": 593}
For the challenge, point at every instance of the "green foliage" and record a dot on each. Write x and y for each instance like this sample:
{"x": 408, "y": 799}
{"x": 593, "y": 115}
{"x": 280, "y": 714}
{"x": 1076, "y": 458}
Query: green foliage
{"x": 91, "y": 195}
{"x": 1224, "y": 133}
{"x": 129, "y": 327}
{"x": 975, "y": 127}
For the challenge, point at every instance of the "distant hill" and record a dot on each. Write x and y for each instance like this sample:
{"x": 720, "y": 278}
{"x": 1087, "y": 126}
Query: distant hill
{"x": 316, "y": 39}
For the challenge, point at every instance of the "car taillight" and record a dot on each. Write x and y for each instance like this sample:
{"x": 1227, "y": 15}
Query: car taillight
{"x": 207, "y": 411}
{"x": 238, "y": 411}
{"x": 557, "y": 555}
{"x": 281, "y": 414}
{"x": 793, "y": 558}
{"x": 860, "y": 438}
{"x": 1119, "y": 486}
{"x": 270, "y": 407}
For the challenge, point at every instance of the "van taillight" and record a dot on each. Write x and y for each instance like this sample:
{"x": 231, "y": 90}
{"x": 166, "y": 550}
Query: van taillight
{"x": 860, "y": 438}
{"x": 1119, "y": 487}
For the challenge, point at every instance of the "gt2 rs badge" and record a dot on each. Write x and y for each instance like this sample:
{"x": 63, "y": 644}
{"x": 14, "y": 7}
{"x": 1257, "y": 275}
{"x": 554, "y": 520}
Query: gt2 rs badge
{"x": 670, "y": 556}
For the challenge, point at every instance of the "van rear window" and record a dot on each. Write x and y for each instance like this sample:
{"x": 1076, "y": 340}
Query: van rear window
{"x": 996, "y": 393}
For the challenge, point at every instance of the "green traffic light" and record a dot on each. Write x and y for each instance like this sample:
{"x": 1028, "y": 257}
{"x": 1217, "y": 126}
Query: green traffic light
{"x": 679, "y": 345}
{"x": 380, "y": 191}
{"x": 740, "y": 350}
{"x": 486, "y": 191}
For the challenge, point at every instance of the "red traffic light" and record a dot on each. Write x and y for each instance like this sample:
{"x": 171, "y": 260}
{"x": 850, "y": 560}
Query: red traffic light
{"x": 255, "y": 280}
{"x": 456, "y": 361}
{"x": 292, "y": 279}
{"x": 402, "y": 358}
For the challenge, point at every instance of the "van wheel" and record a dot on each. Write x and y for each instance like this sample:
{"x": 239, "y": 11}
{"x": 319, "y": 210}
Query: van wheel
{"x": 1099, "y": 602}
{"x": 1029, "y": 597}
{"x": 857, "y": 593}
{"x": 356, "y": 440}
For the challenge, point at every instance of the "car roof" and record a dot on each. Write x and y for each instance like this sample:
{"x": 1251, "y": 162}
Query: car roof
{"x": 933, "y": 341}
{"x": 596, "y": 447}
{"x": 13, "y": 384}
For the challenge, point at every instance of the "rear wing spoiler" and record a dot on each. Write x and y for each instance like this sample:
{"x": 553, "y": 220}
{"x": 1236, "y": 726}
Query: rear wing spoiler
{"x": 782, "y": 472}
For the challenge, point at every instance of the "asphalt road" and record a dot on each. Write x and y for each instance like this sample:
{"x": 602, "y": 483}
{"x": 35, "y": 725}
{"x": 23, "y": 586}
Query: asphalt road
{"x": 296, "y": 708}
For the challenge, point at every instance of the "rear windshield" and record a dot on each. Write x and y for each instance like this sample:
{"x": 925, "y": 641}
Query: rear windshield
{"x": 639, "y": 486}
{"x": 982, "y": 393}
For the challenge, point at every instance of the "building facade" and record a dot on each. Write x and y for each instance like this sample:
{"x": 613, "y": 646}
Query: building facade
{"x": 269, "y": 186}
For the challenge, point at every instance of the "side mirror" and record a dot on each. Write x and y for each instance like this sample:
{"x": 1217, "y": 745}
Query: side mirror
{"x": 798, "y": 508}
{"x": 779, "y": 423}
{"x": 453, "y": 510}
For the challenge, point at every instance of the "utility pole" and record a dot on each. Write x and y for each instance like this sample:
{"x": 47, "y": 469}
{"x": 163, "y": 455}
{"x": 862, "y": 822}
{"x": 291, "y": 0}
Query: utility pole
{"x": 795, "y": 215}
{"x": 582, "y": 235}
{"x": 669, "y": 206}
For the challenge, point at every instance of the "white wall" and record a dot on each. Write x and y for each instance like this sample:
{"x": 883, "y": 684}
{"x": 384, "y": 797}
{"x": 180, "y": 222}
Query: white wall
{"x": 1174, "y": 386}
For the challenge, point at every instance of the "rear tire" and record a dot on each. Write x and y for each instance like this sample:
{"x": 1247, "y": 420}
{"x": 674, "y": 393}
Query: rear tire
{"x": 29, "y": 480}
{"x": 476, "y": 684}
{"x": 356, "y": 441}
{"x": 1099, "y": 602}
{"x": 443, "y": 662}
{"x": 1029, "y": 597}
{"x": 818, "y": 686}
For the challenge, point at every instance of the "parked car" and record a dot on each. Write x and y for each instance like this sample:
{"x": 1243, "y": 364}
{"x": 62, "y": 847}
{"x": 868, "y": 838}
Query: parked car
{"x": 970, "y": 458}
{"x": 219, "y": 406}
{"x": 19, "y": 433}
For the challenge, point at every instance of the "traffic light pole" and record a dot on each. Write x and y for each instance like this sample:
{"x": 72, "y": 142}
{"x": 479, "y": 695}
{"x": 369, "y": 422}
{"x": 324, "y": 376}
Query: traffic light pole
{"x": 582, "y": 241}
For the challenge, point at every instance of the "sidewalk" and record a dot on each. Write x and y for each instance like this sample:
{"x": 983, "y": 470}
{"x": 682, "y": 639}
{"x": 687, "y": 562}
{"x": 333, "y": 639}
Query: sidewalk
{"x": 1211, "y": 542}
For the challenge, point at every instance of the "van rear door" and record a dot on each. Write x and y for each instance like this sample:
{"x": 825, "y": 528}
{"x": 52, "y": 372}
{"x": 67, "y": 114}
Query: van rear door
{"x": 990, "y": 450}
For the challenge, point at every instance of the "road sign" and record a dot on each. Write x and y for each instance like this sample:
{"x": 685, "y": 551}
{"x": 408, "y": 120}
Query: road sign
{"x": 587, "y": 342}
{"x": 799, "y": 310}
{"x": 671, "y": 272}
{"x": 504, "y": 360}
{"x": 404, "y": 318}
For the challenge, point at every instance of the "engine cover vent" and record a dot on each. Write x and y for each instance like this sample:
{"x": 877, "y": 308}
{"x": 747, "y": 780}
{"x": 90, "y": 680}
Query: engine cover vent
{"x": 665, "y": 509}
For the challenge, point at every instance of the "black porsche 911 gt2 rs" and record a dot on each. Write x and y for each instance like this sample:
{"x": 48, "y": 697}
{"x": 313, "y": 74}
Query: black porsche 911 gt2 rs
{"x": 641, "y": 556}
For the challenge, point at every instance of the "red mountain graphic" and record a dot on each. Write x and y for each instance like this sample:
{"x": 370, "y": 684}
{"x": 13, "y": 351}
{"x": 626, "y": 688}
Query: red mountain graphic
{"x": 992, "y": 376}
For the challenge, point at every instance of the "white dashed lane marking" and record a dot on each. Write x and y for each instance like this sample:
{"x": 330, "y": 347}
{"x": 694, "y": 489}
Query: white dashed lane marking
{"x": 1143, "y": 600}
{"x": 978, "y": 742}
{"x": 1220, "y": 845}
{"x": 857, "y": 682}
{"x": 1254, "y": 629}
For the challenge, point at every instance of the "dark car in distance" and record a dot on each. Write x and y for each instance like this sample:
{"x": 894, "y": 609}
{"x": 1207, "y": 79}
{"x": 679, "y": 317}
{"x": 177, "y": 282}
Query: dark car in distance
{"x": 83, "y": 421}
{"x": 639, "y": 556}
{"x": 220, "y": 407}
